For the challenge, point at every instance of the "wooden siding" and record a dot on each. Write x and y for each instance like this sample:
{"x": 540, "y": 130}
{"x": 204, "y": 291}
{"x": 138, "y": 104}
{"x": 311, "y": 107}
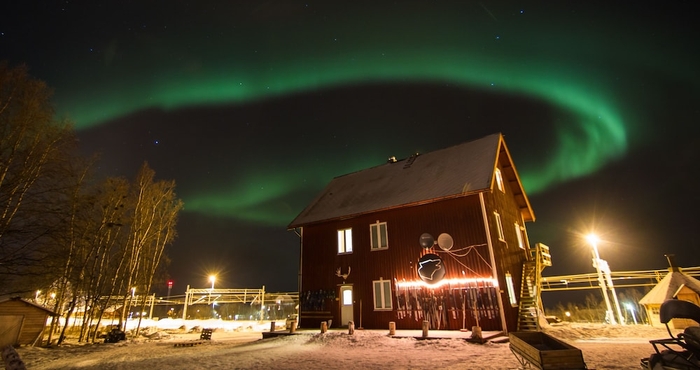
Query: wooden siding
{"x": 34, "y": 320}
{"x": 508, "y": 254}
{"x": 462, "y": 218}
{"x": 456, "y": 305}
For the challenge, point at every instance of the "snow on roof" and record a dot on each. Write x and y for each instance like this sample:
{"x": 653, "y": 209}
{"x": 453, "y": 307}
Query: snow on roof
{"x": 29, "y": 303}
{"x": 669, "y": 286}
{"x": 451, "y": 172}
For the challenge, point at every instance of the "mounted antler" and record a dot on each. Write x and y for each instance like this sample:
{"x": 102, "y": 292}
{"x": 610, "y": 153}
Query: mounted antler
{"x": 339, "y": 274}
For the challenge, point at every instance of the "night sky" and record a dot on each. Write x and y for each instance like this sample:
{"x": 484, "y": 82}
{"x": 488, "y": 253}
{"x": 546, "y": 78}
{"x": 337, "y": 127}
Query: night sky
{"x": 252, "y": 107}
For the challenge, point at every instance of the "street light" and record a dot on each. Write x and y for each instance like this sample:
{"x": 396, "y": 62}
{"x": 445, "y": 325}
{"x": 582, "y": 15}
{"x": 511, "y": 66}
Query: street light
{"x": 630, "y": 308}
{"x": 601, "y": 266}
{"x": 212, "y": 278}
{"x": 170, "y": 287}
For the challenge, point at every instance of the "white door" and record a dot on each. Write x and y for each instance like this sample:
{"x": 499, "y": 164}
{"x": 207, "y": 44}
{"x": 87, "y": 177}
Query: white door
{"x": 346, "y": 305}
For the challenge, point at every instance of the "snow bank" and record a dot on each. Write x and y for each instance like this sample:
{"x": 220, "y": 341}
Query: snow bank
{"x": 603, "y": 346}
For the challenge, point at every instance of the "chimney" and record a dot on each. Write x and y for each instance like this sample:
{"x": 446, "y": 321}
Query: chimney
{"x": 672, "y": 263}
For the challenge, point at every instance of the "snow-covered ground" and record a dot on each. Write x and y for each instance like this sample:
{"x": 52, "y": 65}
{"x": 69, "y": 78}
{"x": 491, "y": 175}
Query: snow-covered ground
{"x": 241, "y": 346}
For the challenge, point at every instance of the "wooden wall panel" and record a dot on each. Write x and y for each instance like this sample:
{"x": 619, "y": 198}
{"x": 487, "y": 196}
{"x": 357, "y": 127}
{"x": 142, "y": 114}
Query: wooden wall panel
{"x": 463, "y": 219}
{"x": 469, "y": 258}
{"x": 34, "y": 319}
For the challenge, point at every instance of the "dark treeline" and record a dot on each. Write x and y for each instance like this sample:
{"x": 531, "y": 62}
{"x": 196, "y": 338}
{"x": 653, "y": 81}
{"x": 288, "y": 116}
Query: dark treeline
{"x": 69, "y": 240}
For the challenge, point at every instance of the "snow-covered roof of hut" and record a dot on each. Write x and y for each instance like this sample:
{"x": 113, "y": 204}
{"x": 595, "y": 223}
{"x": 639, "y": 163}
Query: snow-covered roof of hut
{"x": 669, "y": 287}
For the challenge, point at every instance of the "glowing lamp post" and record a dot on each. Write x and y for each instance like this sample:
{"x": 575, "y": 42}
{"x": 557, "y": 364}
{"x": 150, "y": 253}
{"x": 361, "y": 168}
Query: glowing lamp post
{"x": 212, "y": 278}
{"x": 630, "y": 308}
{"x": 131, "y": 302}
{"x": 593, "y": 240}
{"x": 170, "y": 287}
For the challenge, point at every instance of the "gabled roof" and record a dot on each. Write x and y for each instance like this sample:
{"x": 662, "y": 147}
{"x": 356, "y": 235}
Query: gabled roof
{"x": 30, "y": 304}
{"x": 452, "y": 172}
{"x": 669, "y": 286}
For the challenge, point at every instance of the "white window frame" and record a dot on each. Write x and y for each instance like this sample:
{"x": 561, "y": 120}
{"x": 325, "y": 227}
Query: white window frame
{"x": 375, "y": 244}
{"x": 499, "y": 180}
{"x": 345, "y": 241}
{"x": 512, "y": 298}
{"x": 519, "y": 234}
{"x": 499, "y": 224}
{"x": 384, "y": 291}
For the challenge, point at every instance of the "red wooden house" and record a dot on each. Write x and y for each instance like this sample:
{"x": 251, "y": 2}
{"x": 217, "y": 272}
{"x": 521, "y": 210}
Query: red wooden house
{"x": 438, "y": 236}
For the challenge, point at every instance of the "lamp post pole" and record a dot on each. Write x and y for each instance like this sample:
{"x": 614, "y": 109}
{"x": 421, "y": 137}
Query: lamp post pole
{"x": 601, "y": 279}
{"x": 212, "y": 278}
{"x": 167, "y": 307}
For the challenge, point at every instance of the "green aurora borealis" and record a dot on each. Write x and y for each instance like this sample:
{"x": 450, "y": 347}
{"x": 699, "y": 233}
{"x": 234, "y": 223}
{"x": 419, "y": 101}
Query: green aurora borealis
{"x": 584, "y": 68}
{"x": 515, "y": 53}
{"x": 596, "y": 135}
{"x": 252, "y": 107}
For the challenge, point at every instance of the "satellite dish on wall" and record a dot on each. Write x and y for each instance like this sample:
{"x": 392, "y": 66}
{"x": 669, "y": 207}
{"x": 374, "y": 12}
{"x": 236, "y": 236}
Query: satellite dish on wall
{"x": 445, "y": 241}
{"x": 426, "y": 241}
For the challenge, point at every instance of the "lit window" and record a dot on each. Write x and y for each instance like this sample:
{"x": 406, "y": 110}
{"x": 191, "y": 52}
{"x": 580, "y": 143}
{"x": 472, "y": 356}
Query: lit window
{"x": 519, "y": 234}
{"x": 382, "y": 295}
{"x": 500, "y": 227}
{"x": 345, "y": 241}
{"x": 379, "y": 236}
{"x": 347, "y": 297}
{"x": 511, "y": 290}
{"x": 499, "y": 180}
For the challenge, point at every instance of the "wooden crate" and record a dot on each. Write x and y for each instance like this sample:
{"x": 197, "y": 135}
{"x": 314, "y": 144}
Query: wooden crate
{"x": 544, "y": 351}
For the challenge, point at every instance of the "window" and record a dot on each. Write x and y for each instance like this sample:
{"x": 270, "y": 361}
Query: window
{"x": 347, "y": 297}
{"x": 499, "y": 180}
{"x": 382, "y": 295}
{"x": 379, "y": 237}
{"x": 344, "y": 241}
{"x": 500, "y": 227}
{"x": 511, "y": 290}
{"x": 519, "y": 234}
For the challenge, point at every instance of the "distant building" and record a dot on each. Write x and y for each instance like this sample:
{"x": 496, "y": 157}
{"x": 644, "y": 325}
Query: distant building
{"x": 22, "y": 322}
{"x": 438, "y": 237}
{"x": 675, "y": 285}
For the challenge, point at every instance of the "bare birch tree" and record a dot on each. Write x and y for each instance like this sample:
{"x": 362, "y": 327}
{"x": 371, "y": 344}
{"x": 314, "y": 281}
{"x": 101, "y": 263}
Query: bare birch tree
{"x": 164, "y": 214}
{"x": 155, "y": 211}
{"x": 33, "y": 152}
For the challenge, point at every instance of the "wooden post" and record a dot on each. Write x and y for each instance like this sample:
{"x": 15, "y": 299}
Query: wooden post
{"x": 272, "y": 326}
{"x": 351, "y": 327}
{"x": 293, "y": 326}
{"x": 476, "y": 332}
{"x": 425, "y": 328}
{"x": 11, "y": 359}
{"x": 392, "y": 328}
{"x": 324, "y": 326}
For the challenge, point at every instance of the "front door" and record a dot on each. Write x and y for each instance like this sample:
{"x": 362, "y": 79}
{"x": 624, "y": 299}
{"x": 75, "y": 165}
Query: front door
{"x": 346, "y": 304}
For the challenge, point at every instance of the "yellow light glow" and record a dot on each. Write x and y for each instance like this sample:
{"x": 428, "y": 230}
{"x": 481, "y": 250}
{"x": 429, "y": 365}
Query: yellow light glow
{"x": 443, "y": 282}
{"x": 212, "y": 278}
{"x": 592, "y": 239}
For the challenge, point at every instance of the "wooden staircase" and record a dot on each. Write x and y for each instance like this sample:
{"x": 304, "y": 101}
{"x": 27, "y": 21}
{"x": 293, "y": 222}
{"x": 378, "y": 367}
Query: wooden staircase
{"x": 530, "y": 300}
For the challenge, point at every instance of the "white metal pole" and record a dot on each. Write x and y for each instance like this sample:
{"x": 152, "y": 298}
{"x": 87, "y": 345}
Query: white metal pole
{"x": 262, "y": 303}
{"x": 612, "y": 291}
{"x": 601, "y": 281}
{"x": 184, "y": 306}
